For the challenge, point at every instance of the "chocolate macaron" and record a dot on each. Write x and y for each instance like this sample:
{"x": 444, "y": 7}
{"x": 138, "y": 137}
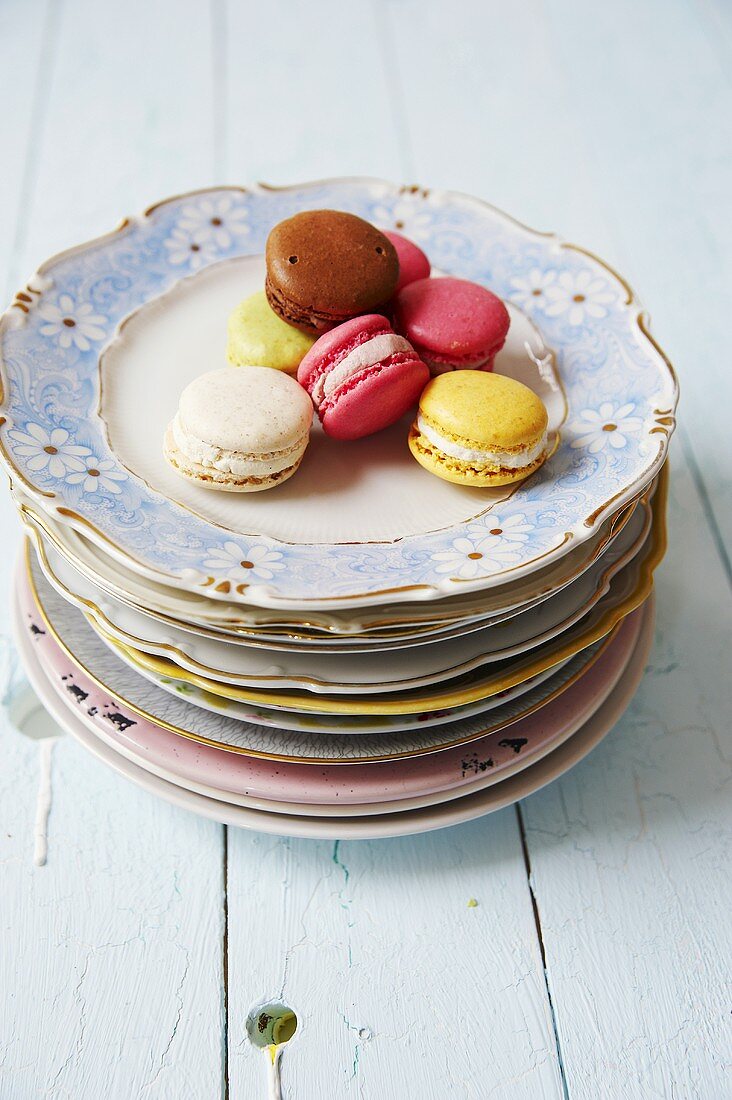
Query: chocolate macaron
{"x": 326, "y": 266}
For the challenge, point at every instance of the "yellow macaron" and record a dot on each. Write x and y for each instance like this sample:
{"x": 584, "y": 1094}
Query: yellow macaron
{"x": 259, "y": 338}
{"x": 481, "y": 429}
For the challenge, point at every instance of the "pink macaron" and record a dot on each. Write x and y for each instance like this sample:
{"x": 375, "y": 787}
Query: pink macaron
{"x": 452, "y": 324}
{"x": 413, "y": 264}
{"x": 362, "y": 377}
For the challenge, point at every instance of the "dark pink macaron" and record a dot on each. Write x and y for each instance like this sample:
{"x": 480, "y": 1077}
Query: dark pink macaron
{"x": 362, "y": 377}
{"x": 452, "y": 324}
{"x": 413, "y": 264}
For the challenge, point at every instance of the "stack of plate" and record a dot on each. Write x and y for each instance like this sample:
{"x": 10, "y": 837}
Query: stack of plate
{"x": 366, "y": 650}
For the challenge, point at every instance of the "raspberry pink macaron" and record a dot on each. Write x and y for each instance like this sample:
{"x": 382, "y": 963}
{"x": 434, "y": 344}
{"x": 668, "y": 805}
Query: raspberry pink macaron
{"x": 452, "y": 324}
{"x": 413, "y": 264}
{"x": 362, "y": 377}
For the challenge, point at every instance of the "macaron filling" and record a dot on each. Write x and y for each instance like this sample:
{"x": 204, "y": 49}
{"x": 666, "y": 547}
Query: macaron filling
{"x": 240, "y": 464}
{"x": 359, "y": 358}
{"x": 495, "y": 459}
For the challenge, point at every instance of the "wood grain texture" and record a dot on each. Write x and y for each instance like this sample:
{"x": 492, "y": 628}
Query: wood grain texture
{"x": 113, "y": 981}
{"x": 111, "y": 973}
{"x": 631, "y": 855}
{"x": 610, "y": 126}
{"x": 401, "y": 988}
{"x": 23, "y": 65}
{"x": 130, "y": 100}
{"x": 308, "y": 108}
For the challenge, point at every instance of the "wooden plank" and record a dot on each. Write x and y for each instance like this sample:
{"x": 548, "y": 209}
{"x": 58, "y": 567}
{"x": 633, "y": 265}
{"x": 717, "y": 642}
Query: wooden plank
{"x": 565, "y": 89}
{"x": 309, "y": 93}
{"x": 489, "y": 112}
{"x": 130, "y": 119}
{"x": 23, "y": 77}
{"x": 630, "y": 854}
{"x": 113, "y": 981}
{"x": 652, "y": 93}
{"x": 400, "y": 987}
{"x": 110, "y": 980}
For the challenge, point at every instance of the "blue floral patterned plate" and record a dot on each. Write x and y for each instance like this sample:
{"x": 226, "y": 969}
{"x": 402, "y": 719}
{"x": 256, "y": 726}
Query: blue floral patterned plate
{"x": 95, "y": 350}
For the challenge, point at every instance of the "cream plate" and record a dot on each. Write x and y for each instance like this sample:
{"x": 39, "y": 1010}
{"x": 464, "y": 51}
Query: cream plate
{"x": 95, "y": 352}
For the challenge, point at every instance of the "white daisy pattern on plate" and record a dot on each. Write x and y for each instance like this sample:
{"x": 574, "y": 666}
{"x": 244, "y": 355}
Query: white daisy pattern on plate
{"x": 511, "y": 528}
{"x": 221, "y": 220}
{"x": 406, "y": 216}
{"x": 194, "y": 250}
{"x": 70, "y": 322}
{"x": 467, "y": 559}
{"x": 579, "y": 295}
{"x": 50, "y": 451}
{"x": 606, "y": 426}
{"x": 529, "y": 291}
{"x": 98, "y": 475}
{"x": 244, "y": 563}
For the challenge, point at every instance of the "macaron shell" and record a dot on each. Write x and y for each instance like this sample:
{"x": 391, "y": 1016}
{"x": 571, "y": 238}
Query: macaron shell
{"x": 209, "y": 477}
{"x": 460, "y": 473}
{"x": 324, "y": 266}
{"x": 413, "y": 264}
{"x": 251, "y": 409}
{"x": 453, "y": 322}
{"x": 259, "y": 338}
{"x": 487, "y": 410}
{"x": 375, "y": 399}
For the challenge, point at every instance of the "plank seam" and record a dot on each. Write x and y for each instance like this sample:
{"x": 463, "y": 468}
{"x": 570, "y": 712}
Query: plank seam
{"x": 385, "y": 36}
{"x": 542, "y": 950}
{"x": 39, "y": 110}
{"x": 220, "y": 78}
{"x": 706, "y": 503}
{"x": 225, "y": 962}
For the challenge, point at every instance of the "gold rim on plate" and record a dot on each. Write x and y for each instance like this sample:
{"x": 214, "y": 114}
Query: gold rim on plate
{"x": 257, "y": 754}
{"x": 253, "y": 635}
{"x": 40, "y": 279}
{"x": 439, "y": 700}
{"x": 101, "y": 622}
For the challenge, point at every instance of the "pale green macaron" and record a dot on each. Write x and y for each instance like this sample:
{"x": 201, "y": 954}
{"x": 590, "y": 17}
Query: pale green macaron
{"x": 259, "y": 338}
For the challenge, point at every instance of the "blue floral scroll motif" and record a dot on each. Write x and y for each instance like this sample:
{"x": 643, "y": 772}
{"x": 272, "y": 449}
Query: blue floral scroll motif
{"x": 621, "y": 393}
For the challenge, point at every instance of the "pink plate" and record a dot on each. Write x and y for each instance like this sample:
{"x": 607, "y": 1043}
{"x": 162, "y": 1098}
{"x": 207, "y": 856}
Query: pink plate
{"x": 152, "y": 745}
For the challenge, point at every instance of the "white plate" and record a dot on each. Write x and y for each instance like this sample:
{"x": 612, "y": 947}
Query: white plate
{"x": 386, "y": 627}
{"x": 378, "y": 826}
{"x": 367, "y": 671}
{"x": 627, "y": 590}
{"x": 361, "y": 523}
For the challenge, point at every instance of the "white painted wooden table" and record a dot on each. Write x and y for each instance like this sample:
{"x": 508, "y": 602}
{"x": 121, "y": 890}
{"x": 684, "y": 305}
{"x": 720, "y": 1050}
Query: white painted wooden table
{"x": 595, "y": 962}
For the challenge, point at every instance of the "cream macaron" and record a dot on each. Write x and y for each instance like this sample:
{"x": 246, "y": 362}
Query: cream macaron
{"x": 240, "y": 429}
{"x": 480, "y": 429}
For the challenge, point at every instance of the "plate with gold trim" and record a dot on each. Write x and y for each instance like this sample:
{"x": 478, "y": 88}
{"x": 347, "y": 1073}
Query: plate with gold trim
{"x": 387, "y": 627}
{"x": 82, "y": 408}
{"x": 344, "y": 672}
{"x": 129, "y": 696}
{"x": 433, "y": 816}
{"x": 342, "y": 789}
{"x": 627, "y": 591}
